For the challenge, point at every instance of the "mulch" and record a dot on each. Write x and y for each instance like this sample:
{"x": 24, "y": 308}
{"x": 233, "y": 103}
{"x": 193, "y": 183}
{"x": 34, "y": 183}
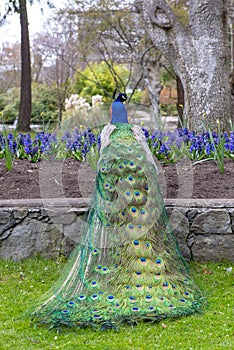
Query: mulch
{"x": 71, "y": 179}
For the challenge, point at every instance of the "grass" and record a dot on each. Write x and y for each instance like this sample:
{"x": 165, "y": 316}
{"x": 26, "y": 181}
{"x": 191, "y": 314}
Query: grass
{"x": 23, "y": 282}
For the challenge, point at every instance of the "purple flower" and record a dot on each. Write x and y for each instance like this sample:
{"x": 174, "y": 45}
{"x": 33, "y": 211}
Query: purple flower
{"x": 146, "y": 132}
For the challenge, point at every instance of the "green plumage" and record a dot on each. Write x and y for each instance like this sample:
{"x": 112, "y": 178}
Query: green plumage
{"x": 127, "y": 266}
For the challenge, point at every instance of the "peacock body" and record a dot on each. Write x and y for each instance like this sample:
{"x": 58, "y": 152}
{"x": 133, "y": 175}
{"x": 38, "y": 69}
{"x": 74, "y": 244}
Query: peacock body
{"x": 127, "y": 266}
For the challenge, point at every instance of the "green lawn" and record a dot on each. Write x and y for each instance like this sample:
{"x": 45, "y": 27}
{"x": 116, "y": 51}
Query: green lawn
{"x": 23, "y": 282}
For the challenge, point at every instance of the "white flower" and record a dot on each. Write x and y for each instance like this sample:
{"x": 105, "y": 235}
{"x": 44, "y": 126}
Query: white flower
{"x": 96, "y": 101}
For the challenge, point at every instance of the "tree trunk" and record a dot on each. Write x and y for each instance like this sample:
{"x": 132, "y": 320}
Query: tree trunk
{"x": 232, "y": 59}
{"x": 199, "y": 55}
{"x": 152, "y": 81}
{"x": 25, "y": 93}
{"x": 180, "y": 103}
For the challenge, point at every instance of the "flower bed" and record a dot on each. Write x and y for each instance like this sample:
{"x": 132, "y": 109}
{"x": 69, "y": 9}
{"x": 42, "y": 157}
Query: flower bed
{"x": 166, "y": 146}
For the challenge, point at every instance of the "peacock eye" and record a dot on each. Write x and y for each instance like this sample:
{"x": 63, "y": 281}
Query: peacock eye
{"x": 70, "y": 303}
{"x": 135, "y": 309}
{"x": 65, "y": 312}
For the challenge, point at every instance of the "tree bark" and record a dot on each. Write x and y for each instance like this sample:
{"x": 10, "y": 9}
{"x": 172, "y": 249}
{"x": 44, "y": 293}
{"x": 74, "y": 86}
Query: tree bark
{"x": 199, "y": 55}
{"x": 25, "y": 93}
{"x": 152, "y": 81}
{"x": 180, "y": 103}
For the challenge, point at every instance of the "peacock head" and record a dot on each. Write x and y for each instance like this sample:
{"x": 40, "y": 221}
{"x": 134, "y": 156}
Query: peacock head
{"x": 122, "y": 97}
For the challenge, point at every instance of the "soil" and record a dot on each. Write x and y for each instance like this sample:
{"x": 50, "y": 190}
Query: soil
{"x": 71, "y": 179}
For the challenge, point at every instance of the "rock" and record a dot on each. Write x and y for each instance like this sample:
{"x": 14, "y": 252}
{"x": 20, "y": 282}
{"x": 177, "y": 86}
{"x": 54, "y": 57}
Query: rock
{"x": 20, "y": 214}
{"x": 231, "y": 211}
{"x": 4, "y": 217}
{"x": 72, "y": 231}
{"x": 204, "y": 231}
{"x": 180, "y": 226}
{"x": 6, "y": 222}
{"x": 72, "y": 235}
{"x": 30, "y": 238}
{"x": 213, "y": 248}
{"x": 191, "y": 214}
{"x": 212, "y": 221}
{"x": 62, "y": 217}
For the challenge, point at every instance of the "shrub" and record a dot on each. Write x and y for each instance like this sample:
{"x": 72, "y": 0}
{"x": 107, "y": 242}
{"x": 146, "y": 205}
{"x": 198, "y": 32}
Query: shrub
{"x": 97, "y": 78}
{"x": 44, "y": 104}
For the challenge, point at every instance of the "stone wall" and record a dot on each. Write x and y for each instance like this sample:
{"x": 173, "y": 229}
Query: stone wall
{"x": 204, "y": 228}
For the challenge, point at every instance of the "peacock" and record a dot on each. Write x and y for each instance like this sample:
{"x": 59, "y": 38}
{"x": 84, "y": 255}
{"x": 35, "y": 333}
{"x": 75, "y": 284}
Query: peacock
{"x": 127, "y": 266}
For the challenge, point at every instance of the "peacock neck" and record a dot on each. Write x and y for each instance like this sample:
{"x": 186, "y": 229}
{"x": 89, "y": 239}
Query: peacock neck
{"x": 122, "y": 131}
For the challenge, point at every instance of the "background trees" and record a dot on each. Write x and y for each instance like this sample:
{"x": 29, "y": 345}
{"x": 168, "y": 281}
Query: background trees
{"x": 199, "y": 54}
{"x": 93, "y": 47}
{"x": 25, "y": 105}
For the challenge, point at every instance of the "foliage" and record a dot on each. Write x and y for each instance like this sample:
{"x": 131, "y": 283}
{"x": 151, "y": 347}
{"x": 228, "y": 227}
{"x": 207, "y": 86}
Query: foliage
{"x": 9, "y": 105}
{"x": 98, "y": 78}
{"x": 9, "y": 114}
{"x": 48, "y": 145}
{"x": 166, "y": 146}
{"x": 9, "y": 146}
{"x": 168, "y": 109}
{"x": 137, "y": 96}
{"x": 180, "y": 9}
{"x": 167, "y": 76}
{"x": 45, "y": 103}
{"x": 171, "y": 146}
{"x": 21, "y": 283}
{"x": 219, "y": 149}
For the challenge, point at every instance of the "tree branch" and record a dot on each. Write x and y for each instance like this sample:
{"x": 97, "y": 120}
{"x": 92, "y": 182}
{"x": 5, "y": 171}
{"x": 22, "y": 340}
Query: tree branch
{"x": 166, "y": 32}
{"x": 161, "y": 14}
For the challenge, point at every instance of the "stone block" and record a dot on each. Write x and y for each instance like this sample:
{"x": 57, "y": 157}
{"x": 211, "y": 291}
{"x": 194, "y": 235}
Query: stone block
{"x": 4, "y": 217}
{"x": 6, "y": 222}
{"x": 72, "y": 235}
{"x": 20, "y": 214}
{"x": 5, "y": 235}
{"x": 213, "y": 221}
{"x": 72, "y": 231}
{"x": 231, "y": 212}
{"x": 213, "y": 248}
{"x": 60, "y": 217}
{"x": 191, "y": 214}
{"x": 32, "y": 237}
{"x": 180, "y": 226}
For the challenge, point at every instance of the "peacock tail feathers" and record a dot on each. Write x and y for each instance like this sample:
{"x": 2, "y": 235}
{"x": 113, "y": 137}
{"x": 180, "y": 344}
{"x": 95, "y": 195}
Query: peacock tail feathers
{"x": 127, "y": 266}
